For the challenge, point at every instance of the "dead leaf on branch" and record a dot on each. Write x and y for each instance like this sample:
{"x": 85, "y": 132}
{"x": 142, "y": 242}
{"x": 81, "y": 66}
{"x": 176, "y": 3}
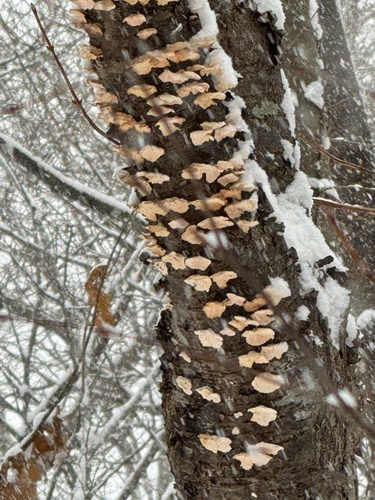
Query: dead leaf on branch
{"x": 98, "y": 298}
{"x": 19, "y": 473}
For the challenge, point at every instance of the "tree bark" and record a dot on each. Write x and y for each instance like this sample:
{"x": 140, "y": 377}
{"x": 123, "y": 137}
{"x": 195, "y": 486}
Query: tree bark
{"x": 210, "y": 392}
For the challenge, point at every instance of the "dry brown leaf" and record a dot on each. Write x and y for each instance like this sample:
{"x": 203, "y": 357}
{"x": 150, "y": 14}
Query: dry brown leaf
{"x": 29, "y": 467}
{"x": 200, "y": 263}
{"x": 267, "y": 382}
{"x": 193, "y": 88}
{"x": 246, "y": 225}
{"x": 208, "y": 394}
{"x": 222, "y": 277}
{"x": 135, "y": 19}
{"x": 184, "y": 384}
{"x": 176, "y": 260}
{"x": 208, "y": 99}
{"x": 247, "y": 360}
{"x": 151, "y": 153}
{"x": 199, "y": 283}
{"x": 208, "y": 338}
{"x": 180, "y": 76}
{"x": 142, "y": 90}
{"x": 146, "y": 33}
{"x": 263, "y": 415}
{"x": 213, "y": 223}
{"x": 259, "y": 336}
{"x": 98, "y": 299}
{"x": 258, "y": 454}
{"x": 215, "y": 443}
{"x": 214, "y": 309}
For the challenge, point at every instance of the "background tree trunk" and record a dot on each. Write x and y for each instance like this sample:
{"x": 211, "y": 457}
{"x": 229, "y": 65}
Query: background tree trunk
{"x": 216, "y": 448}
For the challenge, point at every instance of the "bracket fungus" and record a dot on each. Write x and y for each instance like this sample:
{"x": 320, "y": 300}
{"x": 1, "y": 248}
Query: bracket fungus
{"x": 215, "y": 443}
{"x": 258, "y": 454}
{"x": 263, "y": 415}
{"x": 184, "y": 384}
{"x": 207, "y": 393}
{"x": 267, "y": 382}
{"x": 208, "y": 338}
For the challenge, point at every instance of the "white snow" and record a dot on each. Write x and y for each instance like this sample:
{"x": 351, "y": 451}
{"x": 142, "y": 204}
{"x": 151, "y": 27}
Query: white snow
{"x": 314, "y": 19}
{"x": 273, "y": 6}
{"x": 101, "y": 197}
{"x": 292, "y": 208}
{"x": 287, "y": 104}
{"x": 366, "y": 318}
{"x": 314, "y": 93}
{"x": 351, "y": 329}
{"x": 281, "y": 286}
{"x": 228, "y": 77}
{"x": 302, "y": 313}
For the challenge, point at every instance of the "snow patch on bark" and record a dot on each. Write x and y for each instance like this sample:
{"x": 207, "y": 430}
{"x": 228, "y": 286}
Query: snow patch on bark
{"x": 292, "y": 209}
{"x": 314, "y": 93}
{"x": 276, "y": 9}
{"x": 287, "y": 104}
{"x": 314, "y": 19}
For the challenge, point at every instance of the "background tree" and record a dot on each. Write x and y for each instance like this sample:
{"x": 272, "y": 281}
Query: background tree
{"x": 268, "y": 98}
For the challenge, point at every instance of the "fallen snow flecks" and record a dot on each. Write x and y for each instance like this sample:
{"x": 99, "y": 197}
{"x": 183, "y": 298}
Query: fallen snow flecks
{"x": 292, "y": 208}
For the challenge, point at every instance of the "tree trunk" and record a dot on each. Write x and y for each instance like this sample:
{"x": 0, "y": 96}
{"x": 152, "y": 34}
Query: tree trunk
{"x": 255, "y": 322}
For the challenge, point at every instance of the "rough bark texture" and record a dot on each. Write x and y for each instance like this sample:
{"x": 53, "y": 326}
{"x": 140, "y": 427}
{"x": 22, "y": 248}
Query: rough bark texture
{"x": 314, "y": 459}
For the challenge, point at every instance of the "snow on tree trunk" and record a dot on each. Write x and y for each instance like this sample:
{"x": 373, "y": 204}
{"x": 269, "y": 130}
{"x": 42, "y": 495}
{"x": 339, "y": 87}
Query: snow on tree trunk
{"x": 195, "y": 93}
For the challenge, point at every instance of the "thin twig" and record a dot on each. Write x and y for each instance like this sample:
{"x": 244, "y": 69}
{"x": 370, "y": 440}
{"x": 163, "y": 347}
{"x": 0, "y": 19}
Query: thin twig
{"x": 348, "y": 164}
{"x": 75, "y": 99}
{"x": 344, "y": 206}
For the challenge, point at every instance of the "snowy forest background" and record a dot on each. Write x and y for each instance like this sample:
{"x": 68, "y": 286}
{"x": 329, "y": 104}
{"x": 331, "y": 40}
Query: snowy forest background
{"x": 106, "y": 385}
